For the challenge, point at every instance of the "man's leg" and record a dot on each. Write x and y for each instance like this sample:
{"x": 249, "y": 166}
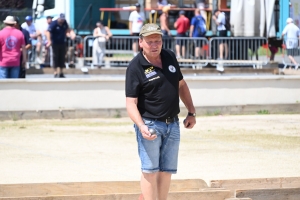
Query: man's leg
{"x": 134, "y": 48}
{"x": 178, "y": 51}
{"x": 221, "y": 48}
{"x": 3, "y": 72}
{"x": 14, "y": 72}
{"x": 197, "y": 52}
{"x": 183, "y": 50}
{"x": 292, "y": 59}
{"x": 163, "y": 185}
{"x": 149, "y": 185}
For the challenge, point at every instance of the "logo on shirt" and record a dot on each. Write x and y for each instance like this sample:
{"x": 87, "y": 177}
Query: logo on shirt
{"x": 11, "y": 42}
{"x": 149, "y": 72}
{"x": 140, "y": 20}
{"x": 172, "y": 69}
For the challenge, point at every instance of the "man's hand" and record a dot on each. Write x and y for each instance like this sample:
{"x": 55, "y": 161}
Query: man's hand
{"x": 146, "y": 134}
{"x": 48, "y": 44}
{"x": 189, "y": 122}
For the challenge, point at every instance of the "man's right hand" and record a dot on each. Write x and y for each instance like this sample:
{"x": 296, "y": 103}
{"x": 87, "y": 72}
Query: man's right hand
{"x": 146, "y": 134}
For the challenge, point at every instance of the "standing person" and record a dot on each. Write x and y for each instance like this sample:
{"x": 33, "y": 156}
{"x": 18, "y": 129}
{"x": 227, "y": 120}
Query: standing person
{"x": 198, "y": 29}
{"x": 56, "y": 36}
{"x": 102, "y": 35}
{"x": 182, "y": 25}
{"x": 42, "y": 42}
{"x": 220, "y": 20}
{"x": 164, "y": 21}
{"x": 22, "y": 73}
{"x": 30, "y": 27}
{"x": 154, "y": 84}
{"x": 136, "y": 21}
{"x": 292, "y": 33}
{"x": 11, "y": 41}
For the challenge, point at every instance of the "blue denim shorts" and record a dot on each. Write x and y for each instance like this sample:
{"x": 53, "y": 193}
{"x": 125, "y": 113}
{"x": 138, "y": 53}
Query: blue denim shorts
{"x": 160, "y": 154}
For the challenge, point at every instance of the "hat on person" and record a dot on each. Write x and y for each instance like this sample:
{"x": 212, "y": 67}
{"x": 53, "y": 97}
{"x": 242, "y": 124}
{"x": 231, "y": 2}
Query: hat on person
{"x": 62, "y": 16}
{"x": 17, "y": 19}
{"x": 9, "y": 20}
{"x": 166, "y": 9}
{"x": 289, "y": 20}
{"x": 181, "y": 12}
{"x": 48, "y": 17}
{"x": 216, "y": 10}
{"x": 150, "y": 29}
{"x": 28, "y": 18}
{"x": 137, "y": 5}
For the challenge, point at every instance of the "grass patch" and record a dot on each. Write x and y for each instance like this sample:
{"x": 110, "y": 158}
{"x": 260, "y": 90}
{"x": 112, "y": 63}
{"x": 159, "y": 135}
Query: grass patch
{"x": 263, "y": 112}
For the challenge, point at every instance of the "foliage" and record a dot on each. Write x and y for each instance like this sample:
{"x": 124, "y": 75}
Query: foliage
{"x": 1, "y": 25}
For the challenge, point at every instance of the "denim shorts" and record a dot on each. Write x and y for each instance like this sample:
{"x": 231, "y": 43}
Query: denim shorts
{"x": 160, "y": 154}
{"x": 9, "y": 72}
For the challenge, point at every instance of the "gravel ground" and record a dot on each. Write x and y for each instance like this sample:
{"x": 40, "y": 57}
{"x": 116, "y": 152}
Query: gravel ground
{"x": 82, "y": 150}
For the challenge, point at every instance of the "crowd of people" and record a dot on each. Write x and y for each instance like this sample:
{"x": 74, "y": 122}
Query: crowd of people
{"x": 18, "y": 41}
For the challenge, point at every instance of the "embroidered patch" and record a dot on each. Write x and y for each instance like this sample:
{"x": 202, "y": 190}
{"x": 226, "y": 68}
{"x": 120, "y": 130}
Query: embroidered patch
{"x": 172, "y": 69}
{"x": 151, "y": 74}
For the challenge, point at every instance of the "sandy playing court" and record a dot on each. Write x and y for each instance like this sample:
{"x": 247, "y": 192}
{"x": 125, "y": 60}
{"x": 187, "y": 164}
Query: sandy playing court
{"x": 80, "y": 150}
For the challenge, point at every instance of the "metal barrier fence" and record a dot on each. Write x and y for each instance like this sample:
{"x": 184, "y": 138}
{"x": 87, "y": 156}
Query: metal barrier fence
{"x": 291, "y": 53}
{"x": 118, "y": 50}
{"x": 238, "y": 51}
{"x": 43, "y": 56}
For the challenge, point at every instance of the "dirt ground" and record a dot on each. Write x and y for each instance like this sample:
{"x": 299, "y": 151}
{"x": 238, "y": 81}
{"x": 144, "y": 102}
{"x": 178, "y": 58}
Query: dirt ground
{"x": 81, "y": 150}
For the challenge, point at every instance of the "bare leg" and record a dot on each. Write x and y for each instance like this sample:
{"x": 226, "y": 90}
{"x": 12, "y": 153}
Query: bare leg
{"x": 292, "y": 60}
{"x": 197, "y": 53}
{"x": 183, "y": 51}
{"x": 221, "y": 46}
{"x": 163, "y": 185}
{"x": 178, "y": 50}
{"x": 134, "y": 48}
{"x": 226, "y": 50}
{"x": 149, "y": 185}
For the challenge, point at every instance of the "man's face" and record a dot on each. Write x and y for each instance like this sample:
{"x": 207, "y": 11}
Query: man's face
{"x": 49, "y": 20}
{"x": 151, "y": 44}
{"x": 29, "y": 22}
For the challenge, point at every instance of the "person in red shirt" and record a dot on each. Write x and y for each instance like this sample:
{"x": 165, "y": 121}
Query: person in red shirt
{"x": 182, "y": 25}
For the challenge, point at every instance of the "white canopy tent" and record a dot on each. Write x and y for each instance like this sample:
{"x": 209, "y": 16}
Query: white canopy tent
{"x": 252, "y": 18}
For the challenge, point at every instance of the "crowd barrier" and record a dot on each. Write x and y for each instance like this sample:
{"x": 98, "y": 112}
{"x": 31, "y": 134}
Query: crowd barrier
{"x": 291, "y": 53}
{"x": 44, "y": 56}
{"x": 117, "y": 51}
{"x": 239, "y": 51}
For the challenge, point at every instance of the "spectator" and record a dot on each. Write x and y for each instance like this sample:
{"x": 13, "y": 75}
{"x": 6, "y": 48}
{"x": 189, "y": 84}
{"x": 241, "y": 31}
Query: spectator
{"x": 42, "y": 42}
{"x": 220, "y": 20}
{"x": 56, "y": 36}
{"x": 70, "y": 48}
{"x": 292, "y": 33}
{"x": 136, "y": 20}
{"x": 30, "y": 27}
{"x": 164, "y": 21}
{"x": 102, "y": 35}
{"x": 196, "y": 23}
{"x": 182, "y": 25}
{"x": 11, "y": 41}
{"x": 22, "y": 73}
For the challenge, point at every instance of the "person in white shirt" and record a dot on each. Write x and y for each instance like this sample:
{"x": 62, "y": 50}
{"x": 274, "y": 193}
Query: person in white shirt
{"x": 136, "y": 21}
{"x": 292, "y": 33}
{"x": 29, "y": 26}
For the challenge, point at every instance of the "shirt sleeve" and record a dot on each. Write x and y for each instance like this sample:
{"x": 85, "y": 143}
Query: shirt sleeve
{"x": 26, "y": 37}
{"x": 284, "y": 30}
{"x": 132, "y": 83}
{"x": 194, "y": 21}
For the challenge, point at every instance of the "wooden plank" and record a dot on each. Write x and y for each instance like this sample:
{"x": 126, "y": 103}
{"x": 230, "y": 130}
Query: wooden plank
{"x": 234, "y": 184}
{"x": 238, "y": 198}
{"x": 270, "y": 194}
{"x": 81, "y": 188}
{"x": 207, "y": 195}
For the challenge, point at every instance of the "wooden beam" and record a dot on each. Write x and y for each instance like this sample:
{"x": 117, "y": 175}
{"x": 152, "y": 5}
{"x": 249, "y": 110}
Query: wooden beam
{"x": 270, "y": 194}
{"x": 271, "y": 183}
{"x": 84, "y": 188}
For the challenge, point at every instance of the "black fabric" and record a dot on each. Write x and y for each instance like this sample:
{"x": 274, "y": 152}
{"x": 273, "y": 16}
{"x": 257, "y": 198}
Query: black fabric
{"x": 157, "y": 89}
{"x": 59, "y": 52}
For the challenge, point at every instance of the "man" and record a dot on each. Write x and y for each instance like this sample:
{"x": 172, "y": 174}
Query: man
{"x": 154, "y": 84}
{"x": 220, "y": 20}
{"x": 42, "y": 41}
{"x": 30, "y": 27}
{"x": 292, "y": 33}
{"x": 22, "y": 73}
{"x": 182, "y": 25}
{"x": 56, "y": 36}
{"x": 11, "y": 41}
{"x": 136, "y": 20}
{"x": 164, "y": 21}
{"x": 196, "y": 22}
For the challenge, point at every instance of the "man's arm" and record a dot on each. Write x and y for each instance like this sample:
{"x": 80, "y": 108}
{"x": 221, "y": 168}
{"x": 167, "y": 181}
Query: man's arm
{"x": 24, "y": 52}
{"x": 191, "y": 30}
{"x": 134, "y": 114}
{"x": 48, "y": 39}
{"x": 130, "y": 27}
{"x": 186, "y": 98}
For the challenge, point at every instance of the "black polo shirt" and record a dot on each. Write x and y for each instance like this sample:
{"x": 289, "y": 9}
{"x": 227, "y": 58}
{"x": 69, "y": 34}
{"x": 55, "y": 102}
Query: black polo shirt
{"x": 58, "y": 32}
{"x": 157, "y": 89}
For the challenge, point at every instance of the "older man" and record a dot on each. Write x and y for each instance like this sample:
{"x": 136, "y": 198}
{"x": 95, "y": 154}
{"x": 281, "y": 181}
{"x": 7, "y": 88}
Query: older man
{"x": 154, "y": 84}
{"x": 11, "y": 41}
